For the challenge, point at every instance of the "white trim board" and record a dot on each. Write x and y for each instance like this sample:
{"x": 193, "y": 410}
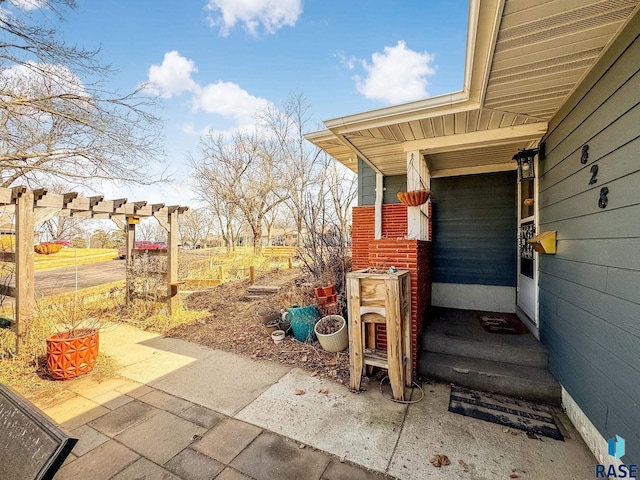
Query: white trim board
{"x": 489, "y": 298}
{"x": 589, "y": 433}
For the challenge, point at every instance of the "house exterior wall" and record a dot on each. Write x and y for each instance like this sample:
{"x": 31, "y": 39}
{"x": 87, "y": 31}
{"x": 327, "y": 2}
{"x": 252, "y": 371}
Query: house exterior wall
{"x": 590, "y": 290}
{"x": 474, "y": 241}
{"x": 367, "y": 186}
{"x": 394, "y": 250}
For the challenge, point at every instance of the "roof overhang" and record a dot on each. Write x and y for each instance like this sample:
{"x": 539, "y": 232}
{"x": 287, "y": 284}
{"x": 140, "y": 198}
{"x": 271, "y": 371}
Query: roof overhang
{"x": 522, "y": 62}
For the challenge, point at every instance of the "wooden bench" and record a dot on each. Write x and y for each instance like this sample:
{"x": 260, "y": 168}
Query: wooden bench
{"x": 32, "y": 447}
{"x": 283, "y": 252}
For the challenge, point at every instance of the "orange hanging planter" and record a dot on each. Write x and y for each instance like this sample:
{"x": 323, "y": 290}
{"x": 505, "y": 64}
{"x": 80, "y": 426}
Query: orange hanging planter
{"x": 71, "y": 354}
{"x": 47, "y": 248}
{"x": 414, "y": 198}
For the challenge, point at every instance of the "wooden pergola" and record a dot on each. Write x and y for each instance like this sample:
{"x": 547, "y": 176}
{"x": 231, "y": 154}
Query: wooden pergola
{"x": 41, "y": 205}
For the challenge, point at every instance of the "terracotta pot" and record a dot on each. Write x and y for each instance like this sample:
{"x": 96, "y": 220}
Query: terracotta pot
{"x": 329, "y": 290}
{"x": 414, "y": 198}
{"x": 69, "y": 356}
{"x": 270, "y": 321}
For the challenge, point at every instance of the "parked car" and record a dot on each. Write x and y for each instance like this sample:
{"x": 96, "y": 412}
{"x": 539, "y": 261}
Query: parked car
{"x": 64, "y": 243}
{"x": 142, "y": 245}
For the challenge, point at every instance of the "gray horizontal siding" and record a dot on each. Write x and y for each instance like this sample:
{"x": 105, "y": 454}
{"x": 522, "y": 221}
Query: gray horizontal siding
{"x": 474, "y": 229}
{"x": 392, "y": 185}
{"x": 367, "y": 186}
{"x": 590, "y": 290}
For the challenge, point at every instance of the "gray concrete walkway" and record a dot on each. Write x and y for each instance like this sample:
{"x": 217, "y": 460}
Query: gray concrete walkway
{"x": 183, "y": 411}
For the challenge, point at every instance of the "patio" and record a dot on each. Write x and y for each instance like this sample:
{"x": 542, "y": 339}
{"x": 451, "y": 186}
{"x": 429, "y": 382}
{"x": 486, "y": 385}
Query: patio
{"x": 180, "y": 410}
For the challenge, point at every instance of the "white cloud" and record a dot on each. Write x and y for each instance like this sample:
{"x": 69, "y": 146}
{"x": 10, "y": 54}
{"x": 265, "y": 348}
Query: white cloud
{"x": 251, "y": 14}
{"x": 173, "y": 76}
{"x": 229, "y": 100}
{"x": 28, "y": 5}
{"x": 348, "y": 62}
{"x": 33, "y": 79}
{"x": 397, "y": 75}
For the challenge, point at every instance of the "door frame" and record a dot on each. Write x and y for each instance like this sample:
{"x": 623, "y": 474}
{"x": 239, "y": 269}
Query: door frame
{"x": 532, "y": 323}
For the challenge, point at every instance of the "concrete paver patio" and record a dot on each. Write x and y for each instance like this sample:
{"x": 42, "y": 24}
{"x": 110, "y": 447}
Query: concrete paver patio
{"x": 202, "y": 414}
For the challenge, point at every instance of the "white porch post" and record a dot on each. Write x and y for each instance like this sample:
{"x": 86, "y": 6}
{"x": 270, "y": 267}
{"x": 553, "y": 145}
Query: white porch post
{"x": 418, "y": 178}
{"x": 378, "y": 206}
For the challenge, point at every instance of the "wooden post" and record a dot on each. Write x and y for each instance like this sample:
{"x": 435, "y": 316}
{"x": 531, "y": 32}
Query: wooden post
{"x": 290, "y": 263}
{"x": 356, "y": 333}
{"x": 24, "y": 257}
{"x": 407, "y": 326}
{"x": 395, "y": 353}
{"x": 252, "y": 275}
{"x": 130, "y": 230}
{"x": 172, "y": 262}
{"x": 221, "y": 273}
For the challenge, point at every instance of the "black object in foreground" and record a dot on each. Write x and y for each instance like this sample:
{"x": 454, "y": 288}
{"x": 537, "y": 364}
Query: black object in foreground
{"x": 32, "y": 446}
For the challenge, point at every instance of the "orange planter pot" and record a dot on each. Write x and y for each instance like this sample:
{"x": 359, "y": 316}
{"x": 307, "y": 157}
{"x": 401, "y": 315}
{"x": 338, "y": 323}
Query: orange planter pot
{"x": 71, "y": 356}
{"x": 414, "y": 198}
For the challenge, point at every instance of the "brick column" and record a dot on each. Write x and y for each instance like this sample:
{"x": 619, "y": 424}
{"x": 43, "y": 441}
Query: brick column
{"x": 394, "y": 250}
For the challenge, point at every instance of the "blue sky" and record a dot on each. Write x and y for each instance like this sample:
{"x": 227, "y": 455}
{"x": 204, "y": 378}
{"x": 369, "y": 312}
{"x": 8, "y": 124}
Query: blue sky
{"x": 214, "y": 62}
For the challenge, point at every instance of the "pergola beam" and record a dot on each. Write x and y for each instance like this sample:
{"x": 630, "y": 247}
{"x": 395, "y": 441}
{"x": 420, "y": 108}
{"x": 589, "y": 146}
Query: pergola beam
{"x": 125, "y": 214}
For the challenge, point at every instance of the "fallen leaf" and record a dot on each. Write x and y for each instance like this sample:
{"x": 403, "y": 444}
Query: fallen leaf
{"x": 300, "y": 392}
{"x": 514, "y": 475}
{"x": 303, "y": 359}
{"x": 314, "y": 374}
{"x": 463, "y": 465}
{"x": 302, "y": 445}
{"x": 439, "y": 460}
{"x": 324, "y": 391}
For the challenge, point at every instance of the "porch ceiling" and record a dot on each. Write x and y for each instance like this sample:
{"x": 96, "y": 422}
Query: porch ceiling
{"x": 544, "y": 48}
{"x": 474, "y": 160}
{"x": 523, "y": 60}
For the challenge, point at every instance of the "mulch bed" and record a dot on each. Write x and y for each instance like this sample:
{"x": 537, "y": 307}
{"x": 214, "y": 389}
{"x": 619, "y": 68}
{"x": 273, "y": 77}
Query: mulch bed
{"x": 235, "y": 325}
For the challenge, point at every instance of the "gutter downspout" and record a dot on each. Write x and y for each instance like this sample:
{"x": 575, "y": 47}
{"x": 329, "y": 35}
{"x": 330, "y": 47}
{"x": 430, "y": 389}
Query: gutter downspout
{"x": 378, "y": 206}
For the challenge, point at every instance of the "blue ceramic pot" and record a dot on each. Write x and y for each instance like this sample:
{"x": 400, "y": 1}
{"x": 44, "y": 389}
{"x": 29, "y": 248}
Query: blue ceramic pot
{"x": 302, "y": 320}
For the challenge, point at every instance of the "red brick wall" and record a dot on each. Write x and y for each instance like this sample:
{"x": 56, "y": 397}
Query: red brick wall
{"x": 394, "y": 225}
{"x": 394, "y": 250}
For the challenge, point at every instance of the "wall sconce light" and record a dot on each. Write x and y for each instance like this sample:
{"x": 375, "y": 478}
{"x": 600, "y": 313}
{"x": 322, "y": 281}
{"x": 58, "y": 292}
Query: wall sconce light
{"x": 526, "y": 169}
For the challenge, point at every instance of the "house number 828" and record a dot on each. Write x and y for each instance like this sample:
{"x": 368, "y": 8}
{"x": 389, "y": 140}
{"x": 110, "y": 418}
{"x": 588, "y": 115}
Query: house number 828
{"x": 603, "y": 201}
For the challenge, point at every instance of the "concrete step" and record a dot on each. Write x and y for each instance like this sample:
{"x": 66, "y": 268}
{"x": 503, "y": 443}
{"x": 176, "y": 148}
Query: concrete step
{"x": 263, "y": 289}
{"x": 518, "y": 350}
{"x": 531, "y": 383}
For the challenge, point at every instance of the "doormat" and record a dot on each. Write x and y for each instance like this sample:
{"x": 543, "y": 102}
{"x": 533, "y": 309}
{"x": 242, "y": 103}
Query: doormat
{"x": 505, "y": 323}
{"x": 503, "y": 410}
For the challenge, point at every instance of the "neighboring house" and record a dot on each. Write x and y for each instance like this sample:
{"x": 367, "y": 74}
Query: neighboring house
{"x": 562, "y": 75}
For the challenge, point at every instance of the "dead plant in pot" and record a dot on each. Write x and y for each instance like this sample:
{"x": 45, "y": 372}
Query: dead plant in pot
{"x": 332, "y": 333}
{"x": 73, "y": 350}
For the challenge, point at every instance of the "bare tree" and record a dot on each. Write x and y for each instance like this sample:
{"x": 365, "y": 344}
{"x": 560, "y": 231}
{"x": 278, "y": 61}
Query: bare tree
{"x": 241, "y": 171}
{"x": 196, "y": 226}
{"x": 150, "y": 229}
{"x": 300, "y": 164}
{"x": 342, "y": 185}
{"x": 57, "y": 119}
{"x": 227, "y": 216}
{"x": 102, "y": 238}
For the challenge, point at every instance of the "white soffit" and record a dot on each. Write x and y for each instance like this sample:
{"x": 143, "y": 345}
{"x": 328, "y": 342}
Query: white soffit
{"x": 474, "y": 160}
{"x": 544, "y": 48}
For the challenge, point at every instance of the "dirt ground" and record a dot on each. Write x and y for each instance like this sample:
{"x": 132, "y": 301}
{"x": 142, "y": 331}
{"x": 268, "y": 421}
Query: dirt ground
{"x": 236, "y": 325}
